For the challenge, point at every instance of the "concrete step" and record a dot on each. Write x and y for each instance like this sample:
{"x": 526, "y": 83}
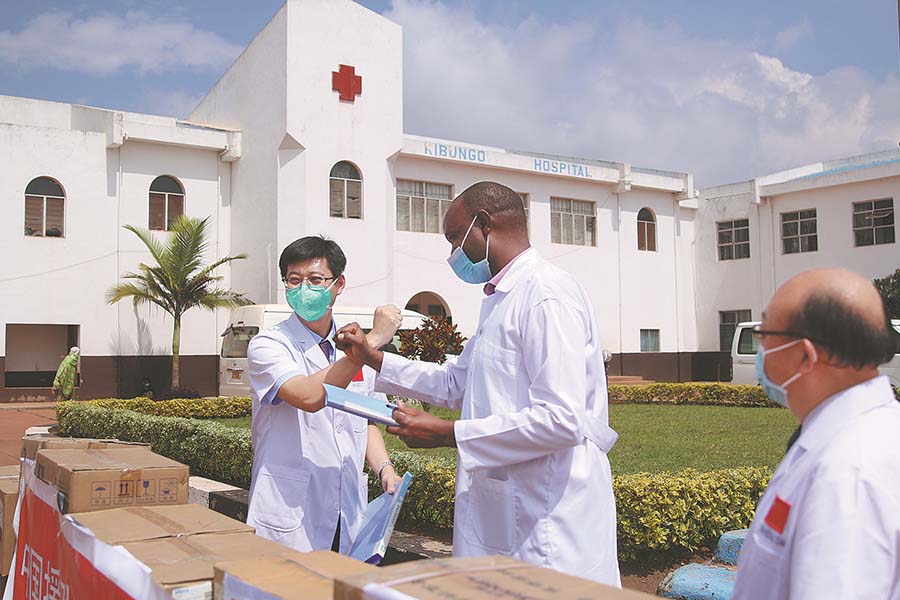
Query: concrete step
{"x": 729, "y": 547}
{"x": 699, "y": 582}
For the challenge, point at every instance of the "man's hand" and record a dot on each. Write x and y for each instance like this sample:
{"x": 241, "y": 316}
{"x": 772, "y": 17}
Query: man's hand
{"x": 387, "y": 321}
{"x": 419, "y": 429}
{"x": 389, "y": 479}
{"x": 351, "y": 340}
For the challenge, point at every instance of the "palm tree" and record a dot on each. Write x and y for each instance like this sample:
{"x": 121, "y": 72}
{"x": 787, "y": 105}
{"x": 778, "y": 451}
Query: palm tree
{"x": 179, "y": 281}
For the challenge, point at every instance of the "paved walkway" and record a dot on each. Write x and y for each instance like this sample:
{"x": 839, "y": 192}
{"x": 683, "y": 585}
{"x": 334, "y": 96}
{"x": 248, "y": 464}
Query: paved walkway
{"x": 15, "y": 418}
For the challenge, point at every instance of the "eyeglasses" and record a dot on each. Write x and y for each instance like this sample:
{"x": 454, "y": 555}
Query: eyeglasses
{"x": 315, "y": 280}
{"x": 759, "y": 334}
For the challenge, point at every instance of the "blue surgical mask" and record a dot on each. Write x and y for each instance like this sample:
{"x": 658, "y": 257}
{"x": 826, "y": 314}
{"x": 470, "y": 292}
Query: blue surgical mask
{"x": 310, "y": 302}
{"x": 464, "y": 268}
{"x": 776, "y": 393}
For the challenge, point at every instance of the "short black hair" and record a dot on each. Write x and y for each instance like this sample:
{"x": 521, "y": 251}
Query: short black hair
{"x": 495, "y": 198}
{"x": 844, "y": 331}
{"x": 310, "y": 247}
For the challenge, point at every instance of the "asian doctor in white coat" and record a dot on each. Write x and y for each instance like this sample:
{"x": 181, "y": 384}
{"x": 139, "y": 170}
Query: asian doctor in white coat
{"x": 308, "y": 490}
{"x": 828, "y": 525}
{"x": 533, "y": 479}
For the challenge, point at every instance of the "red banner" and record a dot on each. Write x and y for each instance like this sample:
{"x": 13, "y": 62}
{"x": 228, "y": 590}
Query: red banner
{"x": 58, "y": 559}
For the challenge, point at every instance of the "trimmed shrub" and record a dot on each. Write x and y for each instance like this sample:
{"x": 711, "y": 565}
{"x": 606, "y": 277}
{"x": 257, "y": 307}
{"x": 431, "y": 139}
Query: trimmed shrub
{"x": 209, "y": 449}
{"x": 178, "y": 392}
{"x": 656, "y": 512}
{"x": 207, "y": 408}
{"x": 716, "y": 394}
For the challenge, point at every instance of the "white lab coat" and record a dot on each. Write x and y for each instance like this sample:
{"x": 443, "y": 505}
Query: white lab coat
{"x": 530, "y": 482}
{"x": 828, "y": 526}
{"x": 307, "y": 467}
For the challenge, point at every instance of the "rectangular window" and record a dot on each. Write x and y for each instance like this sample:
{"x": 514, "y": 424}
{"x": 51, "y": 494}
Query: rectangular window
{"x": 165, "y": 209}
{"x": 647, "y": 236}
{"x": 55, "y": 217}
{"x": 799, "y": 232}
{"x": 421, "y": 205}
{"x": 873, "y": 222}
{"x": 733, "y": 239}
{"x": 34, "y": 215}
{"x": 525, "y": 204}
{"x": 728, "y": 320}
{"x": 573, "y": 222}
{"x": 345, "y": 198}
{"x": 649, "y": 340}
{"x": 747, "y": 342}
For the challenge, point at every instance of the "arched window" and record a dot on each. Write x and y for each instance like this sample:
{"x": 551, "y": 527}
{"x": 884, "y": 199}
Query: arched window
{"x": 166, "y": 202}
{"x": 45, "y": 208}
{"x": 345, "y": 191}
{"x": 646, "y": 224}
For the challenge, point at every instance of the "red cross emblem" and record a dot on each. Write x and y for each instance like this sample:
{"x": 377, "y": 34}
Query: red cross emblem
{"x": 346, "y": 82}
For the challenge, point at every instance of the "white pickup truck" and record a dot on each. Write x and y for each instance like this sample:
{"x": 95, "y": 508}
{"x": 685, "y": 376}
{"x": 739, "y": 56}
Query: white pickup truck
{"x": 743, "y": 355}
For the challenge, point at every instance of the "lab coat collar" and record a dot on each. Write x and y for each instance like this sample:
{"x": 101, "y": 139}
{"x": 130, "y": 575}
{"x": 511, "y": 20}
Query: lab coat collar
{"x": 519, "y": 270}
{"x": 835, "y": 412}
{"x": 308, "y": 341}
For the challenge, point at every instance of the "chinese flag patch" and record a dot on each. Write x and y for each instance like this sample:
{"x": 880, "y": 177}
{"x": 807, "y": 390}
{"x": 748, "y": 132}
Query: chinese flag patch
{"x": 358, "y": 376}
{"x": 778, "y": 514}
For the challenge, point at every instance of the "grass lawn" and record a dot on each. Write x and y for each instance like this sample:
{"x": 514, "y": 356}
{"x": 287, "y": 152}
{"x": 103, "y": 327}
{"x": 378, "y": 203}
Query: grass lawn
{"x": 669, "y": 438}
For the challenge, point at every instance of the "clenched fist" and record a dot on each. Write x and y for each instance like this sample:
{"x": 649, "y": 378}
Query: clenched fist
{"x": 387, "y": 321}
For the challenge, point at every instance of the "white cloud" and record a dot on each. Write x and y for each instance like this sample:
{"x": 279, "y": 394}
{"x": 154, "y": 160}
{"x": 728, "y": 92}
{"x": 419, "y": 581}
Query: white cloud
{"x": 104, "y": 44}
{"x": 790, "y": 37}
{"x": 655, "y": 96}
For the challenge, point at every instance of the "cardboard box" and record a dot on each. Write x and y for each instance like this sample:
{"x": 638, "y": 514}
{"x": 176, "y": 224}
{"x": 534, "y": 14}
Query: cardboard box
{"x": 31, "y": 444}
{"x": 9, "y": 495}
{"x": 180, "y": 544}
{"x": 306, "y": 576}
{"x": 482, "y": 578}
{"x": 103, "y": 478}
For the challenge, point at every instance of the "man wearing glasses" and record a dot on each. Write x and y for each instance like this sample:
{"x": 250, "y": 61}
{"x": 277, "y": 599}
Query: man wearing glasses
{"x": 308, "y": 490}
{"x": 828, "y": 526}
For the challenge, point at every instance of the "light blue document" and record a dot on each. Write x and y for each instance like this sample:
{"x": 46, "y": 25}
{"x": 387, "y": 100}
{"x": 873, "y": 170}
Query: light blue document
{"x": 378, "y": 524}
{"x": 359, "y": 405}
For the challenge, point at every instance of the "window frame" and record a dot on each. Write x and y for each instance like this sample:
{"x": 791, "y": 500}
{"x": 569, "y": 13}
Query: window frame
{"x": 43, "y": 199}
{"x": 345, "y": 185}
{"x": 443, "y": 204}
{"x": 573, "y": 214}
{"x": 733, "y": 244}
{"x": 800, "y": 237}
{"x": 737, "y": 316}
{"x": 649, "y": 345}
{"x": 167, "y": 198}
{"x": 871, "y": 217}
{"x": 649, "y": 231}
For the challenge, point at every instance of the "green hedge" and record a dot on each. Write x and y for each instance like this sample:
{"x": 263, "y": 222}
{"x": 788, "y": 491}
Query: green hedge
{"x": 718, "y": 394}
{"x": 656, "y": 512}
{"x": 210, "y": 449}
{"x": 224, "y": 407}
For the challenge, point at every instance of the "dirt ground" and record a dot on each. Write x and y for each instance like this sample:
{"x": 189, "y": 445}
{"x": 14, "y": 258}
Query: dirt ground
{"x": 645, "y": 575}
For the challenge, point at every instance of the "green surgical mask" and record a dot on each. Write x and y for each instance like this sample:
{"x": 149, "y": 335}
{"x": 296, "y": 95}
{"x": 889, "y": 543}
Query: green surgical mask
{"x": 310, "y": 302}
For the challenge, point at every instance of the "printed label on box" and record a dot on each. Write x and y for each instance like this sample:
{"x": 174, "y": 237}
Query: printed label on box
{"x": 146, "y": 491}
{"x": 201, "y": 591}
{"x": 100, "y": 493}
{"x": 124, "y": 492}
{"x": 168, "y": 490}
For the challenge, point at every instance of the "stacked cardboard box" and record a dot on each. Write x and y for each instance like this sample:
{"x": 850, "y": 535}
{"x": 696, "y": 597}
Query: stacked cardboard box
{"x": 32, "y": 444}
{"x": 9, "y": 495}
{"x": 482, "y": 578}
{"x": 294, "y": 576}
{"x": 88, "y": 479}
{"x": 181, "y": 544}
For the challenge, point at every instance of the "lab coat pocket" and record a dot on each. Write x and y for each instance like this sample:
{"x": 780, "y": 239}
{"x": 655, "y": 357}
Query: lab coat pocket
{"x": 491, "y": 514}
{"x": 282, "y": 500}
{"x": 496, "y": 379}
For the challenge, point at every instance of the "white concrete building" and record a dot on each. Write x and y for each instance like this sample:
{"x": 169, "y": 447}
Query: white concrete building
{"x": 304, "y": 135}
{"x": 754, "y": 235}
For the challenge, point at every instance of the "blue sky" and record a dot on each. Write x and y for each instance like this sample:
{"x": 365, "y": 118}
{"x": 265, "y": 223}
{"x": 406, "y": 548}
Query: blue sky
{"x": 726, "y": 89}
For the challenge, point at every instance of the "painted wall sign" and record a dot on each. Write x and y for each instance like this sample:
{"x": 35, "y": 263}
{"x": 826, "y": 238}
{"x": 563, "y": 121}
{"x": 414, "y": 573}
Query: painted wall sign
{"x": 545, "y": 165}
{"x": 455, "y": 152}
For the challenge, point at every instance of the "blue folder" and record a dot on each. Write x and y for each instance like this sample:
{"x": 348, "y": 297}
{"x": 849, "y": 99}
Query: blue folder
{"x": 362, "y": 406}
{"x": 378, "y": 524}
